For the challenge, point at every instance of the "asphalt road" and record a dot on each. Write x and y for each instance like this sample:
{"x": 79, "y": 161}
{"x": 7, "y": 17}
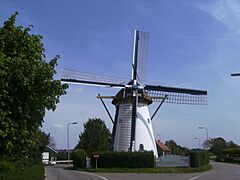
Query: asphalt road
{"x": 64, "y": 172}
{"x": 221, "y": 171}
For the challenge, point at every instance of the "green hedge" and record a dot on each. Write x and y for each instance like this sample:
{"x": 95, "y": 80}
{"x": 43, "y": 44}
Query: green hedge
{"x": 35, "y": 172}
{"x": 124, "y": 160}
{"x": 198, "y": 157}
{"x": 6, "y": 166}
{"x": 232, "y": 155}
{"x": 79, "y": 158}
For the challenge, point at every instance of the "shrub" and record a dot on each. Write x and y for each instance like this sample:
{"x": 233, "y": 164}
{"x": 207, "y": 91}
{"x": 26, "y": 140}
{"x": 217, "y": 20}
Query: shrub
{"x": 35, "y": 172}
{"x": 79, "y": 158}
{"x": 232, "y": 155}
{"x": 124, "y": 159}
{"x": 198, "y": 157}
{"x": 63, "y": 155}
{"x": 6, "y": 166}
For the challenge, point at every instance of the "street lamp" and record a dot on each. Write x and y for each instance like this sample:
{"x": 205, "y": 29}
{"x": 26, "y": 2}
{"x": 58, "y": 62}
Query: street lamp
{"x": 201, "y": 127}
{"x": 68, "y": 155}
{"x": 198, "y": 142}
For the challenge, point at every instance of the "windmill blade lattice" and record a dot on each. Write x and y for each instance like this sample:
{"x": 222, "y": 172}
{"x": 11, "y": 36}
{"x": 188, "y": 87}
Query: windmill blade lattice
{"x": 142, "y": 55}
{"x": 89, "y": 78}
{"x": 177, "y": 95}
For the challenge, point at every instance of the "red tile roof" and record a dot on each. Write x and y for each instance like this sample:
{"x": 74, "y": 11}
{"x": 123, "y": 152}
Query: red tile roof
{"x": 162, "y": 146}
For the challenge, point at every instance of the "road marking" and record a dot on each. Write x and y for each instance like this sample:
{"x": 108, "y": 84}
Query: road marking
{"x": 93, "y": 175}
{"x": 195, "y": 177}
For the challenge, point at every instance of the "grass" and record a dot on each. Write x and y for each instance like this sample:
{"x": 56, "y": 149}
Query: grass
{"x": 151, "y": 170}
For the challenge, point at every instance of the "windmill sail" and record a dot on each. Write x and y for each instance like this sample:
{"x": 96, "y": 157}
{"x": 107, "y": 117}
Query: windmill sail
{"x": 177, "y": 95}
{"x": 73, "y": 76}
{"x": 142, "y": 55}
{"x": 235, "y": 74}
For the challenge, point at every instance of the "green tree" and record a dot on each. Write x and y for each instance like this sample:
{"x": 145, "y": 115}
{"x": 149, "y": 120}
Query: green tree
{"x": 231, "y": 144}
{"x": 176, "y": 149}
{"x": 27, "y": 87}
{"x": 42, "y": 140}
{"x": 217, "y": 145}
{"x": 95, "y": 136}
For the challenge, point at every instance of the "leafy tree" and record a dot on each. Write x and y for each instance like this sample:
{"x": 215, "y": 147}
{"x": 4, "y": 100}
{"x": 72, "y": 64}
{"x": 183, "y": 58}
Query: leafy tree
{"x": 176, "y": 149}
{"x": 172, "y": 145}
{"x": 217, "y": 145}
{"x": 42, "y": 140}
{"x": 231, "y": 144}
{"x": 95, "y": 136}
{"x": 63, "y": 154}
{"x": 27, "y": 87}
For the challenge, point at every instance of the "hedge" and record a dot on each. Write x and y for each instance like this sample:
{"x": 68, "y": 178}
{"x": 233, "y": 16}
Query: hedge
{"x": 79, "y": 158}
{"x": 123, "y": 159}
{"x": 6, "y": 166}
{"x": 198, "y": 157}
{"x": 232, "y": 155}
{"x": 35, "y": 172}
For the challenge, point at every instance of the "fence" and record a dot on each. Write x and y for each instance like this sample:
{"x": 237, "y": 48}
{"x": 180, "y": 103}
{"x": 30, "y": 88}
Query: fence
{"x": 172, "y": 161}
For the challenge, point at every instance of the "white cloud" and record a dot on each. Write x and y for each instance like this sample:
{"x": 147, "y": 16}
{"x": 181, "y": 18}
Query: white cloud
{"x": 226, "y": 12}
{"x": 59, "y": 126}
{"x": 79, "y": 90}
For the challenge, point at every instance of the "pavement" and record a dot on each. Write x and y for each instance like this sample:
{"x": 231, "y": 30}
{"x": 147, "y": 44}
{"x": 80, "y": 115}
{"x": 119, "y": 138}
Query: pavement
{"x": 220, "y": 171}
{"x": 65, "y": 172}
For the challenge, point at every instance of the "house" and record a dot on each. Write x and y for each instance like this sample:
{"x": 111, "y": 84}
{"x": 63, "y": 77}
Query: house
{"x": 49, "y": 156}
{"x": 162, "y": 148}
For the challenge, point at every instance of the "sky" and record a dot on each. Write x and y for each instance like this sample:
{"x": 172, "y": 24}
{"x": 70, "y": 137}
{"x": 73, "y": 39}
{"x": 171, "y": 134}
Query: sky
{"x": 192, "y": 44}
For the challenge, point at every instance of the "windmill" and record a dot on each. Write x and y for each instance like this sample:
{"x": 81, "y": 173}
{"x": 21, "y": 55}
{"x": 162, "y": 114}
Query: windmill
{"x": 132, "y": 125}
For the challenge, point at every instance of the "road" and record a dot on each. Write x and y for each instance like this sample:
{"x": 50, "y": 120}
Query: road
{"x": 221, "y": 171}
{"x": 64, "y": 172}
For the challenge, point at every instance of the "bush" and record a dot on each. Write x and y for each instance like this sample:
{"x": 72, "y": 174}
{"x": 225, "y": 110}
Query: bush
{"x": 63, "y": 155}
{"x": 198, "y": 157}
{"x": 123, "y": 159}
{"x": 79, "y": 158}
{"x": 232, "y": 155}
{"x": 6, "y": 166}
{"x": 35, "y": 172}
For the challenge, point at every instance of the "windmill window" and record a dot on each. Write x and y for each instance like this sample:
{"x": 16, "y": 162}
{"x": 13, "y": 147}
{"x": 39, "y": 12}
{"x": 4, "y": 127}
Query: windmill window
{"x": 141, "y": 147}
{"x": 148, "y": 121}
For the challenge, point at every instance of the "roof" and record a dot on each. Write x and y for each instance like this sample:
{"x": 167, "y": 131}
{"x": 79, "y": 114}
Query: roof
{"x": 162, "y": 146}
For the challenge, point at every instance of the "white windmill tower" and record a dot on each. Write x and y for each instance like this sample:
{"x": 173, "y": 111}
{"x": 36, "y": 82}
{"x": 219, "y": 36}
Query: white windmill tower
{"x": 132, "y": 126}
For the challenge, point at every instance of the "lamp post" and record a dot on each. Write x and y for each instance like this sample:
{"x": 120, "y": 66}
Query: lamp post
{"x": 201, "y": 127}
{"x": 199, "y": 144}
{"x": 68, "y": 155}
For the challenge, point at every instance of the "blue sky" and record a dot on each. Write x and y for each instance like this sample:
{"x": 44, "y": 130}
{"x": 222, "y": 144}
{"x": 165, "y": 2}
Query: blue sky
{"x": 193, "y": 44}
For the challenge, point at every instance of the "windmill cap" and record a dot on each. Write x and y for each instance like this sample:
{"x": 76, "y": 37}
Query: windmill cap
{"x": 125, "y": 96}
